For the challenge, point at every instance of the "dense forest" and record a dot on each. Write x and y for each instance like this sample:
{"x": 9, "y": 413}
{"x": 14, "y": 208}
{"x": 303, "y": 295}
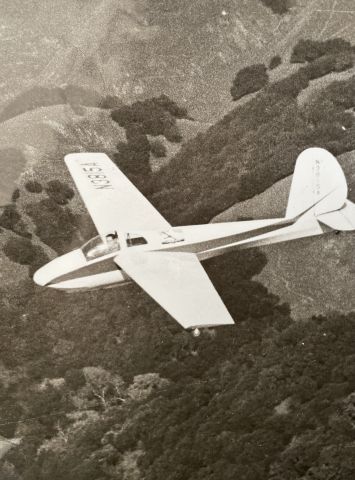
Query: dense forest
{"x": 104, "y": 384}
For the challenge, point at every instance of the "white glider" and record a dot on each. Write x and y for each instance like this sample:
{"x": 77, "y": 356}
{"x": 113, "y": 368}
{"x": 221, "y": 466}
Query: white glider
{"x": 135, "y": 243}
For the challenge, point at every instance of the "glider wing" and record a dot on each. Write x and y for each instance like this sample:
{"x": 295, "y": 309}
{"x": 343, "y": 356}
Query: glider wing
{"x": 113, "y": 202}
{"x": 179, "y": 283}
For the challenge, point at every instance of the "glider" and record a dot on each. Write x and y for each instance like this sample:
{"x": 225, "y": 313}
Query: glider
{"x": 136, "y": 243}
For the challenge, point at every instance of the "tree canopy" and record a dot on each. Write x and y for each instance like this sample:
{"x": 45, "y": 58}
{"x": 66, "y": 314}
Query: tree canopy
{"x": 249, "y": 80}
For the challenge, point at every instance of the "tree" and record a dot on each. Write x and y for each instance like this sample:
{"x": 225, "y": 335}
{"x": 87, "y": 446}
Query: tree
{"x": 21, "y": 250}
{"x": 158, "y": 148}
{"x": 55, "y": 225}
{"x": 15, "y": 195}
{"x": 133, "y": 157}
{"x": 8, "y": 471}
{"x": 59, "y": 192}
{"x": 155, "y": 116}
{"x": 170, "y": 106}
{"x": 145, "y": 385}
{"x": 249, "y": 80}
{"x": 277, "y": 6}
{"x": 101, "y": 386}
{"x": 12, "y": 220}
{"x": 329, "y": 63}
{"x": 309, "y": 50}
{"x": 275, "y": 62}
{"x": 33, "y": 186}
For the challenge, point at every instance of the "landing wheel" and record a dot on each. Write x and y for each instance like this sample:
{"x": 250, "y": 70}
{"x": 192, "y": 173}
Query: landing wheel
{"x": 337, "y": 232}
{"x": 196, "y": 332}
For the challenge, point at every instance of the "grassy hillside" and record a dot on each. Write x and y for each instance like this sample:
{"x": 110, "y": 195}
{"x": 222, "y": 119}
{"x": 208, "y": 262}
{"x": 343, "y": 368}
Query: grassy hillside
{"x": 38, "y": 97}
{"x": 186, "y": 49}
{"x": 256, "y": 144}
{"x": 12, "y": 162}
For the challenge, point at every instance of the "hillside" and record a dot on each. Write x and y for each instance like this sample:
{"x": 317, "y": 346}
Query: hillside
{"x": 299, "y": 272}
{"x": 254, "y": 146}
{"x": 12, "y": 163}
{"x": 31, "y": 138}
{"x": 137, "y": 49}
{"x": 51, "y": 132}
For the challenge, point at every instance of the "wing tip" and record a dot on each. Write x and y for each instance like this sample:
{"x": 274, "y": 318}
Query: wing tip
{"x": 71, "y": 157}
{"x": 224, "y": 323}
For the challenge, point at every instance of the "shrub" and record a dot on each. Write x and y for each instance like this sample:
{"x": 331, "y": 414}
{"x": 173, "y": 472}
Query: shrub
{"x": 158, "y": 149}
{"x": 309, "y": 50}
{"x": 11, "y": 220}
{"x": 327, "y": 64}
{"x": 23, "y": 251}
{"x": 172, "y": 134}
{"x": 20, "y": 250}
{"x": 9, "y": 217}
{"x": 344, "y": 61}
{"x": 60, "y": 192}
{"x": 33, "y": 186}
{"x": 12, "y": 411}
{"x": 133, "y": 156}
{"x": 170, "y": 106}
{"x": 124, "y": 116}
{"x": 291, "y": 86}
{"x": 275, "y": 62}
{"x": 15, "y": 195}
{"x": 248, "y": 80}
{"x": 74, "y": 378}
{"x": 155, "y": 116}
{"x": 55, "y": 225}
{"x": 277, "y": 6}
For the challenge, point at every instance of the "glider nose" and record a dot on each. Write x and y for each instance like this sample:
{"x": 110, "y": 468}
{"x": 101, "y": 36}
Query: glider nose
{"x": 63, "y": 265}
{"x": 42, "y": 276}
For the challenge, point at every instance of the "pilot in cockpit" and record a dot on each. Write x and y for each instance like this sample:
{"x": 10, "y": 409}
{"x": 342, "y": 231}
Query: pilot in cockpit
{"x": 112, "y": 241}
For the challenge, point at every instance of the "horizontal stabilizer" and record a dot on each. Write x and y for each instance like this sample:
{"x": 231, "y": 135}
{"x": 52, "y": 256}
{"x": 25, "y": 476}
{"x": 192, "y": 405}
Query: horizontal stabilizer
{"x": 342, "y": 219}
{"x": 179, "y": 283}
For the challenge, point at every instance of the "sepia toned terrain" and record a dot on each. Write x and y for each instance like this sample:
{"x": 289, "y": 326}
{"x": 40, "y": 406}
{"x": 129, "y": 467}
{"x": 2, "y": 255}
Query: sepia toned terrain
{"x": 205, "y": 106}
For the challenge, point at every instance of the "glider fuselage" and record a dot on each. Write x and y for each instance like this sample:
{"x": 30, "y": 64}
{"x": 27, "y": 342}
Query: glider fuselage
{"x": 93, "y": 264}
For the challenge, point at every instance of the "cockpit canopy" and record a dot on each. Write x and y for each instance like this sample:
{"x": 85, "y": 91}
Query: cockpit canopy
{"x": 96, "y": 247}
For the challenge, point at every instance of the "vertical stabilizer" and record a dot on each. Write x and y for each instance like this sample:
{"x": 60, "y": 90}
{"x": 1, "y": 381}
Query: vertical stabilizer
{"x": 318, "y": 183}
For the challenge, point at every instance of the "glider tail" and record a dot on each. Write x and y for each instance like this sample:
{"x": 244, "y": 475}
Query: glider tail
{"x": 319, "y": 189}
